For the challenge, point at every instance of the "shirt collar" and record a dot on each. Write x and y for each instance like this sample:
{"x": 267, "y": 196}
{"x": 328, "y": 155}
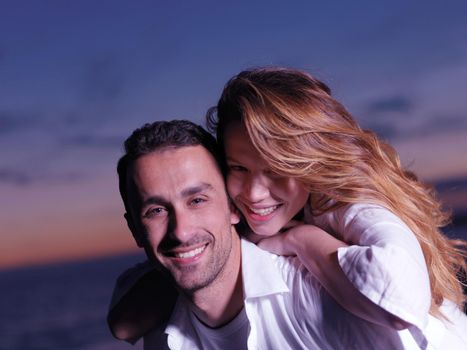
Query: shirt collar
{"x": 261, "y": 276}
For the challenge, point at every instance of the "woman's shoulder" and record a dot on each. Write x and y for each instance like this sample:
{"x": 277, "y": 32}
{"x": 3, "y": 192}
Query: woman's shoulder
{"x": 365, "y": 214}
{"x": 365, "y": 224}
{"x": 448, "y": 332}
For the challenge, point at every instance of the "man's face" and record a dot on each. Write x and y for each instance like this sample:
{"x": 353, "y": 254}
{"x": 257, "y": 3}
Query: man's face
{"x": 179, "y": 210}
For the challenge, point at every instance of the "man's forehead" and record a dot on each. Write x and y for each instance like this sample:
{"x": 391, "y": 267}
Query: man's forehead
{"x": 184, "y": 166}
{"x": 187, "y": 156}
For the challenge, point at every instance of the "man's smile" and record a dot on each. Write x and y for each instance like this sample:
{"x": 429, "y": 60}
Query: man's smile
{"x": 187, "y": 254}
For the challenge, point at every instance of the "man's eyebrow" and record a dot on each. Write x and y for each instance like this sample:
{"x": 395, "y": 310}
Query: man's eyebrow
{"x": 196, "y": 189}
{"x": 185, "y": 193}
{"x": 155, "y": 200}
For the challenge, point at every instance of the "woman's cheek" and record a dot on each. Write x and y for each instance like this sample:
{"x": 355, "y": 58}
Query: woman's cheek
{"x": 233, "y": 186}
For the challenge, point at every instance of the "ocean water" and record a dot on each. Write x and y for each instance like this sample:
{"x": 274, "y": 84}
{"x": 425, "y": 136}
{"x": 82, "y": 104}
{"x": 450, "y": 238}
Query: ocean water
{"x": 64, "y": 306}
{"x": 60, "y": 306}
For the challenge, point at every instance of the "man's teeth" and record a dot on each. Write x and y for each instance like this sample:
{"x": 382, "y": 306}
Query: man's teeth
{"x": 264, "y": 211}
{"x": 191, "y": 253}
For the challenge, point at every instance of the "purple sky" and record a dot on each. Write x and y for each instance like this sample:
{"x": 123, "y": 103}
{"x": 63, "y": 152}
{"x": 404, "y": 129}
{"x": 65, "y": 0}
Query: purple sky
{"x": 76, "y": 77}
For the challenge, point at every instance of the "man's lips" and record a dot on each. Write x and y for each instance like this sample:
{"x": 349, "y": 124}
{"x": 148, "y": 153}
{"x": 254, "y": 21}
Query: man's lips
{"x": 192, "y": 253}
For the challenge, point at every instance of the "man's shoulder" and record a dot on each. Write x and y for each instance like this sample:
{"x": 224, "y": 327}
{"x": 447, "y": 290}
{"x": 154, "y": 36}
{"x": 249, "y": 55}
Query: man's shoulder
{"x": 274, "y": 273}
{"x": 300, "y": 281}
{"x": 178, "y": 330}
{"x": 156, "y": 339}
{"x": 261, "y": 258}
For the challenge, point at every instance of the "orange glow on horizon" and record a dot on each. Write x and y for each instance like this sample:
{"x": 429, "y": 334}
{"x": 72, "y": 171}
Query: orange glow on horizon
{"x": 58, "y": 238}
{"x": 110, "y": 241}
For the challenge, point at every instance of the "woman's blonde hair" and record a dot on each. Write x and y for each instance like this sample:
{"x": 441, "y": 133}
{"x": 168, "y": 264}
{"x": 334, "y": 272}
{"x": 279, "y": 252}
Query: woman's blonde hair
{"x": 303, "y": 132}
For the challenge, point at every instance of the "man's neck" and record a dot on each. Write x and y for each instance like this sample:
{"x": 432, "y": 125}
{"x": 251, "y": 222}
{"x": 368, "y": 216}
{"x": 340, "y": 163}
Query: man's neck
{"x": 219, "y": 303}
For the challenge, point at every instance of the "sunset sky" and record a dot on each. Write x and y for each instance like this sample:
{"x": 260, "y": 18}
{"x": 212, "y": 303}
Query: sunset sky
{"x": 76, "y": 77}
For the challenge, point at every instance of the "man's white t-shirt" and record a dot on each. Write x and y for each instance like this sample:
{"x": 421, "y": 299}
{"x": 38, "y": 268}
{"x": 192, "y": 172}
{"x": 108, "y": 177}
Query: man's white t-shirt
{"x": 233, "y": 335}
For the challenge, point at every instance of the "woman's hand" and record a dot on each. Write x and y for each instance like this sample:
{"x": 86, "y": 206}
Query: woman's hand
{"x": 147, "y": 305}
{"x": 279, "y": 243}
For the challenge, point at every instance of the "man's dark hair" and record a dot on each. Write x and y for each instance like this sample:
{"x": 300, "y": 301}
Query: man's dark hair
{"x": 159, "y": 135}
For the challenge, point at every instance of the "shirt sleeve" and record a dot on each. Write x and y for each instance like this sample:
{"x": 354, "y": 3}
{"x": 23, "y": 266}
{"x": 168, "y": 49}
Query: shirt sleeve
{"x": 127, "y": 280}
{"x": 384, "y": 261}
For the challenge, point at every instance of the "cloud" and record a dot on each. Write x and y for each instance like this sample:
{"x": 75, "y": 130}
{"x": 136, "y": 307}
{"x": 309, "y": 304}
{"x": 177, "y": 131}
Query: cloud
{"x": 102, "y": 80}
{"x": 14, "y": 177}
{"x": 434, "y": 125}
{"x": 398, "y": 104}
{"x": 11, "y": 121}
{"x": 392, "y": 130}
{"x": 19, "y": 178}
{"x": 445, "y": 122}
{"x": 92, "y": 141}
{"x": 399, "y": 116}
{"x": 385, "y": 115}
{"x": 383, "y": 129}
{"x": 3, "y": 52}
{"x": 454, "y": 184}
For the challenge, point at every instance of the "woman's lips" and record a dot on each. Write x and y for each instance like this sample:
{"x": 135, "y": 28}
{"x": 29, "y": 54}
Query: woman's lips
{"x": 262, "y": 214}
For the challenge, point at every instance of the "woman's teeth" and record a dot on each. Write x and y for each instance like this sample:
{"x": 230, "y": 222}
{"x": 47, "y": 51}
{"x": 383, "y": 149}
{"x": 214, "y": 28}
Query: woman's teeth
{"x": 190, "y": 253}
{"x": 264, "y": 211}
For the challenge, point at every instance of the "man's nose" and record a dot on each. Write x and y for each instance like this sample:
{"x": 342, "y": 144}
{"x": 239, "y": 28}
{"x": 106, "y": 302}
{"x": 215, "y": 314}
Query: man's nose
{"x": 256, "y": 188}
{"x": 182, "y": 225}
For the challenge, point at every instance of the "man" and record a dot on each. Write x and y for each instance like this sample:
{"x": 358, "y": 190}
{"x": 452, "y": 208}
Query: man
{"x": 232, "y": 294}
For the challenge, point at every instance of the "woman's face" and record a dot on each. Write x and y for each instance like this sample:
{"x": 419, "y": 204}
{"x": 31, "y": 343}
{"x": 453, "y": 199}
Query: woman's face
{"x": 267, "y": 201}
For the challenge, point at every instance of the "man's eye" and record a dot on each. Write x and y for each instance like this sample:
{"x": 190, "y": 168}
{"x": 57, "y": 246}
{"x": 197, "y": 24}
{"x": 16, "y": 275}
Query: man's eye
{"x": 197, "y": 201}
{"x": 154, "y": 212}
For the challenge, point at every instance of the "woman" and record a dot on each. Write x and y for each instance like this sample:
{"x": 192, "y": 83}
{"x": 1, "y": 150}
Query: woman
{"x": 299, "y": 165}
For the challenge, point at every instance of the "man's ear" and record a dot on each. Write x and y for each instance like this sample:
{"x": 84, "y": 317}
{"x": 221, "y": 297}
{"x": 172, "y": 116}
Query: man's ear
{"x": 139, "y": 238}
{"x": 234, "y": 214}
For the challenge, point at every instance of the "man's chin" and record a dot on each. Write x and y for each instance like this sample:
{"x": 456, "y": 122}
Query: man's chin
{"x": 190, "y": 281}
{"x": 190, "y": 287}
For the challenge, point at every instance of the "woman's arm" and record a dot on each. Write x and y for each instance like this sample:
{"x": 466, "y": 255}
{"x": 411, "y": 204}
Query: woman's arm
{"x": 317, "y": 250}
{"x": 146, "y": 305}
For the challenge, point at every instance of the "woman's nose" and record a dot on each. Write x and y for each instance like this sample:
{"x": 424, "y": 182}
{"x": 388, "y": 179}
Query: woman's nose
{"x": 256, "y": 188}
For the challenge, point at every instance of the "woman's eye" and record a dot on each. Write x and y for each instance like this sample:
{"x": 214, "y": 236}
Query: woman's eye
{"x": 237, "y": 168}
{"x": 272, "y": 174}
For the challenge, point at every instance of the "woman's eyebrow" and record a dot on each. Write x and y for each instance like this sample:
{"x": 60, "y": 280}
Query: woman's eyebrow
{"x": 231, "y": 159}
